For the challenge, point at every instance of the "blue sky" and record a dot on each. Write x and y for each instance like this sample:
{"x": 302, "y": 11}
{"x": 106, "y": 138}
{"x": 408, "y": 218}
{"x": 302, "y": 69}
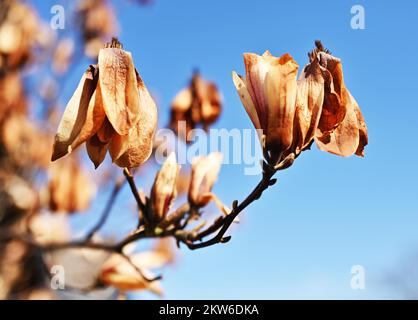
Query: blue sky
{"x": 326, "y": 213}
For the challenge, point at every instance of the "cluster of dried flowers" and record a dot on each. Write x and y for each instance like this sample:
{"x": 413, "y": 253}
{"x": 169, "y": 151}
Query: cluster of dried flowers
{"x": 292, "y": 113}
{"x": 112, "y": 112}
{"x": 35, "y": 194}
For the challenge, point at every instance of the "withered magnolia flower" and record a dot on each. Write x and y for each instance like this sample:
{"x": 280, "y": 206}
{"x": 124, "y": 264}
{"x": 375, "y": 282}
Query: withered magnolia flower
{"x": 12, "y": 96}
{"x": 199, "y": 103}
{"x": 118, "y": 272}
{"x": 164, "y": 189}
{"x": 70, "y": 189}
{"x": 341, "y": 129}
{"x": 292, "y": 113}
{"x": 62, "y": 55}
{"x": 204, "y": 174}
{"x": 25, "y": 142}
{"x": 268, "y": 93}
{"x": 19, "y": 32}
{"x": 98, "y": 22}
{"x": 111, "y": 110}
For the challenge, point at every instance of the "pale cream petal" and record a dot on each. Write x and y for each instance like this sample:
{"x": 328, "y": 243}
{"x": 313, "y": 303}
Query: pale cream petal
{"x": 164, "y": 188}
{"x": 246, "y": 99}
{"x": 205, "y": 171}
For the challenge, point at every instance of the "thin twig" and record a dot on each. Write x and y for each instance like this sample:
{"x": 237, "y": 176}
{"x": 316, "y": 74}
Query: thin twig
{"x": 106, "y": 212}
{"x": 141, "y": 206}
{"x": 225, "y": 222}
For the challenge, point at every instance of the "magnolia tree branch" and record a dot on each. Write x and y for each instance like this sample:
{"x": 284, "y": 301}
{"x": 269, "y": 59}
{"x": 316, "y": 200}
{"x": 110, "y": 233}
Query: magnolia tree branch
{"x": 220, "y": 225}
{"x": 223, "y": 223}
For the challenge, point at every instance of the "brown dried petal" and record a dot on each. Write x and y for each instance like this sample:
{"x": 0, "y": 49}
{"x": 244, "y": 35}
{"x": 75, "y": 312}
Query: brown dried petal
{"x": 96, "y": 150}
{"x": 309, "y": 100}
{"x": 344, "y": 140}
{"x": 140, "y": 138}
{"x": 75, "y": 115}
{"x": 335, "y": 99}
{"x": 119, "y": 89}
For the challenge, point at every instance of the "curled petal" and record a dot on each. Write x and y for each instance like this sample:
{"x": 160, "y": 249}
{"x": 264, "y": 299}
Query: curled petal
{"x": 119, "y": 89}
{"x": 75, "y": 115}
{"x": 364, "y": 138}
{"x": 344, "y": 140}
{"x": 335, "y": 99}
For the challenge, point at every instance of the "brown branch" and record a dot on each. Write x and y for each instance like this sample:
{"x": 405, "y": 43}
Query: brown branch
{"x": 141, "y": 206}
{"x": 223, "y": 223}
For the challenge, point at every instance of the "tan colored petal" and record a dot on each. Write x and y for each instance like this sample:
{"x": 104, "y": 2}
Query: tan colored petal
{"x": 164, "y": 188}
{"x": 74, "y": 116}
{"x": 246, "y": 99}
{"x": 96, "y": 150}
{"x": 309, "y": 100}
{"x": 280, "y": 90}
{"x": 95, "y": 119}
{"x": 140, "y": 138}
{"x": 119, "y": 89}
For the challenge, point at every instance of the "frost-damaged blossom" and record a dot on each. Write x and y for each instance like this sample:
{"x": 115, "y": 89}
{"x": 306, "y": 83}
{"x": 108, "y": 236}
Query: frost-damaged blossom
{"x": 69, "y": 188}
{"x": 118, "y": 272}
{"x": 20, "y": 32}
{"x": 97, "y": 23}
{"x": 164, "y": 190}
{"x": 293, "y": 113}
{"x": 111, "y": 110}
{"x": 199, "y": 103}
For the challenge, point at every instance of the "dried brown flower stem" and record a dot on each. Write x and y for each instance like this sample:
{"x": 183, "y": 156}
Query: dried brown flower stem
{"x": 141, "y": 205}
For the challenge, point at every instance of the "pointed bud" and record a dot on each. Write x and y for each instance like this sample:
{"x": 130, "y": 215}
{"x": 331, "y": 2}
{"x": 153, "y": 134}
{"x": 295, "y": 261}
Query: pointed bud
{"x": 164, "y": 189}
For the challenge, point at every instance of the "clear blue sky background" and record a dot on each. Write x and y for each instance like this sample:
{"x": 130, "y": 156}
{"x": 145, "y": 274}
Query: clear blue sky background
{"x": 326, "y": 213}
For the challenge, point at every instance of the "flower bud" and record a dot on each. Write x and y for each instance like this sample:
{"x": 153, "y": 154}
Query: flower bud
{"x": 164, "y": 189}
